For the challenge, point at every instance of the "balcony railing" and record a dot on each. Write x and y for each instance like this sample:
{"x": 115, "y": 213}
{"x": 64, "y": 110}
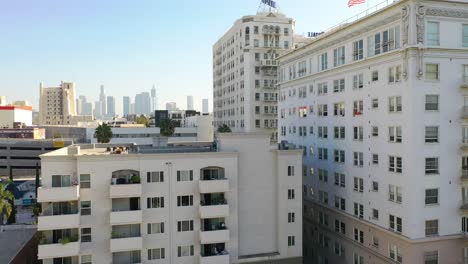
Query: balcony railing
{"x": 58, "y": 194}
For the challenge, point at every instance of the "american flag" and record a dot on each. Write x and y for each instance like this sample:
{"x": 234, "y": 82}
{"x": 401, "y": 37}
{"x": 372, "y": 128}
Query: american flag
{"x": 355, "y": 2}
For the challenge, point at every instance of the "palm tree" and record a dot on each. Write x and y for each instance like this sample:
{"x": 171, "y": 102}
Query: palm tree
{"x": 103, "y": 133}
{"x": 6, "y": 197}
{"x": 224, "y": 129}
{"x": 167, "y": 127}
{"x": 143, "y": 120}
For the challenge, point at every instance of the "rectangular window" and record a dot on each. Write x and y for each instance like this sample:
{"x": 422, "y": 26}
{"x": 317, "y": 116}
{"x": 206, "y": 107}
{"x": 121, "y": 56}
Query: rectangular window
{"x": 432, "y": 134}
{"x": 358, "y": 159}
{"x": 185, "y": 251}
{"x": 339, "y": 109}
{"x": 290, "y": 170}
{"x": 375, "y": 186}
{"x": 394, "y": 134}
{"x": 395, "y": 253}
{"x": 155, "y": 228}
{"x": 323, "y": 61}
{"x": 338, "y": 56}
{"x": 358, "y": 50}
{"x": 183, "y": 226}
{"x": 339, "y": 155}
{"x": 358, "y": 184}
{"x": 395, "y": 164}
{"x": 185, "y": 200}
{"x": 86, "y": 259}
{"x": 359, "y": 235}
{"x": 433, "y": 33}
{"x": 432, "y": 71}
{"x": 340, "y": 179}
{"x": 375, "y": 214}
{"x": 358, "y": 108}
{"x": 155, "y": 202}
{"x": 432, "y": 257}
{"x": 432, "y": 166}
{"x": 323, "y": 110}
{"x": 394, "y": 104}
{"x": 291, "y": 194}
{"x": 184, "y": 175}
{"x": 395, "y": 223}
{"x": 155, "y": 176}
{"x": 322, "y": 88}
{"x": 432, "y": 196}
{"x": 375, "y": 131}
{"x": 85, "y": 208}
{"x": 465, "y": 36}
{"x": 358, "y": 133}
{"x": 85, "y": 181}
{"x": 291, "y": 241}
{"x": 432, "y": 227}
{"x": 291, "y": 217}
{"x": 339, "y": 132}
{"x": 61, "y": 181}
{"x": 85, "y": 235}
{"x": 358, "y": 81}
{"x": 156, "y": 253}
{"x": 375, "y": 76}
{"x": 338, "y": 85}
{"x": 432, "y": 102}
{"x": 375, "y": 158}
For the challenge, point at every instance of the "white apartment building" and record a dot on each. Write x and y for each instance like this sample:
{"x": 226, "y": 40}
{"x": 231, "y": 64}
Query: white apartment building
{"x": 245, "y": 72}
{"x": 380, "y": 105}
{"x": 57, "y": 105}
{"x": 238, "y": 202}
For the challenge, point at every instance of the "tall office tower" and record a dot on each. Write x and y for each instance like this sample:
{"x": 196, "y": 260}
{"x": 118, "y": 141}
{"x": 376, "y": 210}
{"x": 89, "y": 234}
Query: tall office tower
{"x": 189, "y": 102}
{"x": 57, "y": 104}
{"x": 154, "y": 99}
{"x": 239, "y": 203}
{"x": 245, "y": 71}
{"x": 102, "y": 99}
{"x": 110, "y": 106}
{"x": 171, "y": 106}
{"x": 132, "y": 108}
{"x": 126, "y": 105}
{"x": 143, "y": 103}
{"x": 97, "y": 109}
{"x": 379, "y": 105}
{"x": 205, "y": 108}
{"x": 87, "y": 108}
{"x": 79, "y": 104}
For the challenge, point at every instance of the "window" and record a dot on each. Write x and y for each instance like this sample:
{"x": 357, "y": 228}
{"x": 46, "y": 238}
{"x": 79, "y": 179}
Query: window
{"x": 394, "y": 134}
{"x": 359, "y": 235}
{"x": 433, "y": 33}
{"x": 375, "y": 214}
{"x": 61, "y": 181}
{"x": 432, "y": 227}
{"x": 291, "y": 217}
{"x": 358, "y": 81}
{"x": 322, "y": 153}
{"x": 375, "y": 76}
{"x": 339, "y": 132}
{"x": 291, "y": 241}
{"x": 358, "y": 133}
{"x": 338, "y": 85}
{"x": 432, "y": 102}
{"x": 323, "y": 110}
{"x": 185, "y": 200}
{"x": 185, "y": 175}
{"x": 340, "y": 179}
{"x": 431, "y": 257}
{"x": 375, "y": 131}
{"x": 339, "y": 155}
{"x": 339, "y": 109}
{"x": 322, "y": 132}
{"x": 85, "y": 208}
{"x": 358, "y": 184}
{"x": 155, "y": 202}
{"x": 340, "y": 203}
{"x": 338, "y": 56}
{"x": 432, "y": 166}
{"x": 358, "y": 108}
{"x": 358, "y": 50}
{"x": 394, "y": 104}
{"x": 85, "y": 235}
{"x": 155, "y": 176}
{"x": 183, "y": 226}
{"x": 358, "y": 259}
{"x": 359, "y": 210}
{"x": 394, "y": 74}
{"x": 291, "y": 194}
{"x": 85, "y": 181}
{"x": 290, "y": 170}
{"x": 375, "y": 103}
{"x": 86, "y": 259}
{"x": 340, "y": 227}
{"x": 358, "y": 159}
{"x": 395, "y": 253}
{"x": 323, "y": 175}
{"x": 375, "y": 241}
{"x": 323, "y": 218}
{"x": 432, "y": 134}
{"x": 465, "y": 36}
{"x": 432, "y": 71}
{"x": 185, "y": 251}
{"x": 375, "y": 186}
{"x": 323, "y": 61}
{"x": 339, "y": 249}
{"x": 375, "y": 158}
{"x": 432, "y": 196}
{"x": 394, "y": 194}
{"x": 155, "y": 228}
{"x": 323, "y": 197}
{"x": 395, "y": 223}
{"x": 156, "y": 253}
{"x": 322, "y": 88}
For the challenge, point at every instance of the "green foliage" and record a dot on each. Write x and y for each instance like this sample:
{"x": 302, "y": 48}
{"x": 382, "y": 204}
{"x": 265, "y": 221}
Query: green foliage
{"x": 224, "y": 129}
{"x": 135, "y": 179}
{"x": 167, "y": 127}
{"x": 6, "y": 201}
{"x": 143, "y": 120}
{"x": 103, "y": 133}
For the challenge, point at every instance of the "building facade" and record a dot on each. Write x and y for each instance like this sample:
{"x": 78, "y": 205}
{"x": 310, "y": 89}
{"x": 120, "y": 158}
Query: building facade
{"x": 379, "y": 107}
{"x": 126, "y": 105}
{"x": 13, "y": 116}
{"x": 190, "y": 102}
{"x": 186, "y": 204}
{"x": 110, "y": 106}
{"x": 142, "y": 104}
{"x": 245, "y": 72}
{"x": 205, "y": 108}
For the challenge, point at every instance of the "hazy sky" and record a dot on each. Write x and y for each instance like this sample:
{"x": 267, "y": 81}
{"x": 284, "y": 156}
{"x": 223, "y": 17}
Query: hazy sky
{"x": 130, "y": 45}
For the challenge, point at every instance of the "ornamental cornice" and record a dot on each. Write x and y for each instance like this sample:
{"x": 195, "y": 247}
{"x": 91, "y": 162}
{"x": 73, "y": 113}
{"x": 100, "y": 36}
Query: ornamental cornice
{"x": 442, "y": 12}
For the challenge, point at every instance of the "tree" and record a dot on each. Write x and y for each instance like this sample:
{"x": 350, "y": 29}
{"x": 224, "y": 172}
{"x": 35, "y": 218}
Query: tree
{"x": 167, "y": 127}
{"x": 224, "y": 129}
{"x": 6, "y": 198}
{"x": 143, "y": 120}
{"x": 103, "y": 133}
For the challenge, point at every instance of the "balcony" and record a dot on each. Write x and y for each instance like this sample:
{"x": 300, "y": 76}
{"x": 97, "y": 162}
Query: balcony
{"x": 218, "y": 259}
{"x": 126, "y": 244}
{"x": 214, "y": 254}
{"x": 269, "y": 63}
{"x": 125, "y": 190}
{"x": 214, "y": 186}
{"x": 59, "y": 215}
{"x": 58, "y": 243}
{"x": 126, "y": 217}
{"x": 127, "y": 257}
{"x": 58, "y": 194}
{"x": 213, "y": 205}
{"x": 214, "y": 236}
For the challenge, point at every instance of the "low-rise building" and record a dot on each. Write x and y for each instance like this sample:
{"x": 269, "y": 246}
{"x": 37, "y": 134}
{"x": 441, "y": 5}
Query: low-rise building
{"x": 14, "y": 116}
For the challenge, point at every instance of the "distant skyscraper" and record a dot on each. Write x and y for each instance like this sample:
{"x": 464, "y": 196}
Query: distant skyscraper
{"x": 154, "y": 99}
{"x": 142, "y": 103}
{"x": 190, "y": 102}
{"x": 126, "y": 105}
{"x": 97, "y": 109}
{"x": 205, "y": 105}
{"x": 102, "y": 100}
{"x": 110, "y": 106}
{"x": 171, "y": 106}
{"x": 79, "y": 104}
{"x": 86, "y": 108}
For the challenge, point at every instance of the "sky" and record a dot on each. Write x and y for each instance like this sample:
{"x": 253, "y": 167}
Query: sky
{"x": 128, "y": 46}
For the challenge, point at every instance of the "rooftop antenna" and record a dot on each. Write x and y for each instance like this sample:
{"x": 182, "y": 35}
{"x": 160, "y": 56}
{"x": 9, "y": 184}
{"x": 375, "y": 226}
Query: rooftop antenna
{"x": 269, "y": 6}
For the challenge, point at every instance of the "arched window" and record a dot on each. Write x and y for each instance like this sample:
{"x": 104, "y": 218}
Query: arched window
{"x": 125, "y": 177}
{"x": 212, "y": 173}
